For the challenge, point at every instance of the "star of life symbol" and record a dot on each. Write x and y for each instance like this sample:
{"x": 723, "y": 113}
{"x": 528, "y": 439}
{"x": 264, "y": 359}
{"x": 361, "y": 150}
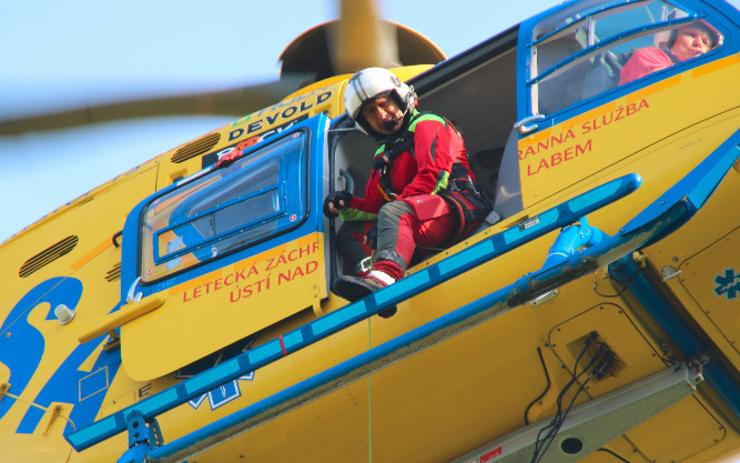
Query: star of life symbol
{"x": 223, "y": 394}
{"x": 727, "y": 285}
{"x": 228, "y": 391}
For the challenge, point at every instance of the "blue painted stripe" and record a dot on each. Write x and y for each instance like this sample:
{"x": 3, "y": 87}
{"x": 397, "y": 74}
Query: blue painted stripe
{"x": 457, "y": 261}
{"x": 203, "y": 381}
{"x": 403, "y": 288}
{"x": 331, "y": 321}
{"x": 293, "y": 339}
{"x": 260, "y": 354}
{"x": 90, "y": 434}
{"x": 162, "y": 401}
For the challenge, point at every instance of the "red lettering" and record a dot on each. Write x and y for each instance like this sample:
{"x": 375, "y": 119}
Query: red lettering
{"x": 620, "y": 109}
{"x": 586, "y": 148}
{"x": 568, "y": 153}
{"x": 490, "y": 454}
{"x": 208, "y": 287}
{"x": 239, "y": 276}
{"x": 284, "y": 277}
{"x": 556, "y": 159}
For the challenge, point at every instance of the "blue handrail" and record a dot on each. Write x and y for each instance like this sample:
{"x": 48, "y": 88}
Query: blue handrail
{"x": 491, "y": 247}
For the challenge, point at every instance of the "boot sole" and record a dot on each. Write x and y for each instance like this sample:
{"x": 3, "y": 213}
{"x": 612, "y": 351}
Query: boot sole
{"x": 354, "y": 288}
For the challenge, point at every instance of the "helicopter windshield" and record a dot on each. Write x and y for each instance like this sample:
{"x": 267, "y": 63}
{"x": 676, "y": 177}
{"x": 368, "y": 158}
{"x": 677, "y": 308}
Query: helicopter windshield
{"x": 226, "y": 210}
{"x": 578, "y": 54}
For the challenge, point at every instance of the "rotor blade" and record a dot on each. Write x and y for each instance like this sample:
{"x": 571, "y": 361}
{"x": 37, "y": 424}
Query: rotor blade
{"x": 361, "y": 39}
{"x": 234, "y": 102}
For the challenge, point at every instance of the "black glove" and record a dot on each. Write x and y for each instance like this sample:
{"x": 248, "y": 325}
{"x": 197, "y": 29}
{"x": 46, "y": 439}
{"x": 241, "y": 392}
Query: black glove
{"x": 344, "y": 196}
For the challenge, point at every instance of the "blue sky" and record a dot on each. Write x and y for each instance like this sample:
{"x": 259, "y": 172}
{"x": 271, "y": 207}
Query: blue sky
{"x": 55, "y": 53}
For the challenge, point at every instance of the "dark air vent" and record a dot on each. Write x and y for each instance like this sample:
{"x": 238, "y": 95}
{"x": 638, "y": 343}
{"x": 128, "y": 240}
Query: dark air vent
{"x": 48, "y": 255}
{"x": 196, "y": 148}
{"x": 114, "y": 273}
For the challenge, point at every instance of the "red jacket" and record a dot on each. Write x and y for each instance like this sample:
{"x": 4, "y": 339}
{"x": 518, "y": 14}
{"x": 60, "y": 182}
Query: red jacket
{"x": 643, "y": 62}
{"x": 437, "y": 145}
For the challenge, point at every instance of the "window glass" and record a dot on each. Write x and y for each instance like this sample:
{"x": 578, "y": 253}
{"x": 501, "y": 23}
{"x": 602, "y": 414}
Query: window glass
{"x": 580, "y": 55}
{"x": 254, "y": 198}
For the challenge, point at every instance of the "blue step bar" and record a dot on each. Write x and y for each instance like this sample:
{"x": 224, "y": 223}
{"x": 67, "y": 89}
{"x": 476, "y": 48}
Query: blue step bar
{"x": 491, "y": 247}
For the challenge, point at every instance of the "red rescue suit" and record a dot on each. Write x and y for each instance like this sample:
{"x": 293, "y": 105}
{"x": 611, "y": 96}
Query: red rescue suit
{"x": 421, "y": 193}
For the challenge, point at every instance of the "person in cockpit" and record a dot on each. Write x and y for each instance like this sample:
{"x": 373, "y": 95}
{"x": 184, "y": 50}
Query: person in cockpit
{"x": 685, "y": 42}
{"x": 421, "y": 191}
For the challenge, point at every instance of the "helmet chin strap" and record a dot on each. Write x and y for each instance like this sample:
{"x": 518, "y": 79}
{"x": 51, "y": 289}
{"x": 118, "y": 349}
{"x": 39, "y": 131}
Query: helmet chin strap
{"x": 391, "y": 124}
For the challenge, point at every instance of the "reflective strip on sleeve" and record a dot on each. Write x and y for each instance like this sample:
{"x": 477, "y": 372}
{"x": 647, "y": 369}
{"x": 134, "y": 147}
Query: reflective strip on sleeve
{"x": 443, "y": 179}
{"x": 425, "y": 117}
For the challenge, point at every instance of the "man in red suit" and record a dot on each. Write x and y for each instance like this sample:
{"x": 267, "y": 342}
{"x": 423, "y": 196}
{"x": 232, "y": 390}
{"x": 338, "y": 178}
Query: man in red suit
{"x": 421, "y": 191}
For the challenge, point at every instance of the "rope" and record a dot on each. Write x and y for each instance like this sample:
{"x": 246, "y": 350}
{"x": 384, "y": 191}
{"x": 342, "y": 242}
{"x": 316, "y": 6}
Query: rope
{"x": 34, "y": 404}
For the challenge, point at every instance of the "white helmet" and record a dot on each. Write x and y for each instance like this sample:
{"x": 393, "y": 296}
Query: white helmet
{"x": 370, "y": 83}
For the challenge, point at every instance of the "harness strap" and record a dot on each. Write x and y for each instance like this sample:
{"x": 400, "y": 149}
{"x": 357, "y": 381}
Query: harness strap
{"x": 456, "y": 186}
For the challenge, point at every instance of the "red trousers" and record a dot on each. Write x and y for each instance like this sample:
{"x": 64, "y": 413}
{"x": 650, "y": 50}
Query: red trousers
{"x": 424, "y": 221}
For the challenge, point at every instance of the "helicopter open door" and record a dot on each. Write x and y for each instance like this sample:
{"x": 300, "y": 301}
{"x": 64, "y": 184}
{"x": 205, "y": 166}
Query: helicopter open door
{"x": 231, "y": 250}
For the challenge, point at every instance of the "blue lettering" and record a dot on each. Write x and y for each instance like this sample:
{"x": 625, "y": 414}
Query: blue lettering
{"x": 254, "y": 126}
{"x": 234, "y": 134}
{"x": 64, "y": 385}
{"x": 289, "y": 112}
{"x": 323, "y": 97}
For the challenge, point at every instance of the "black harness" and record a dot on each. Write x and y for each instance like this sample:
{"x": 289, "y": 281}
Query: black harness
{"x": 462, "y": 194}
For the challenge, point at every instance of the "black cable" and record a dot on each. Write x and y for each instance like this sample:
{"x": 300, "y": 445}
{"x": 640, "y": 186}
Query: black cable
{"x": 614, "y": 454}
{"x": 539, "y": 441}
{"x": 542, "y": 444}
{"x": 625, "y": 286}
{"x": 547, "y": 388}
{"x": 556, "y": 428}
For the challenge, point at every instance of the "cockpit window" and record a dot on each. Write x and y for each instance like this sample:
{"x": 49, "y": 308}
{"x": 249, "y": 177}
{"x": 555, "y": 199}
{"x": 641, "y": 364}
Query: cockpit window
{"x": 580, "y": 53}
{"x": 258, "y": 196}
